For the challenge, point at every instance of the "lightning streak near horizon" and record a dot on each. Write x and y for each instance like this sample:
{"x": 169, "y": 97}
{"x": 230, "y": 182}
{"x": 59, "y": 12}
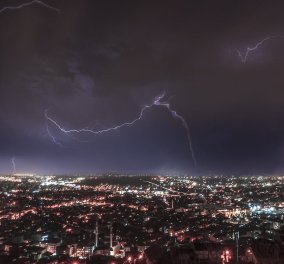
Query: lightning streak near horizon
{"x": 13, "y": 161}
{"x": 157, "y": 102}
{"x": 244, "y": 55}
{"x": 41, "y": 3}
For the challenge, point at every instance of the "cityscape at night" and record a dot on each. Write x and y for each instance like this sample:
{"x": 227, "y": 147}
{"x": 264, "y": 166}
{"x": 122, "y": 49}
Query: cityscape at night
{"x": 141, "y": 132}
{"x": 141, "y": 219}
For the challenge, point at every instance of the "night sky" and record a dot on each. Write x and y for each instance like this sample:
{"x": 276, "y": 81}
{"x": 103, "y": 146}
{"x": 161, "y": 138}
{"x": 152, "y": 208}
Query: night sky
{"x": 97, "y": 63}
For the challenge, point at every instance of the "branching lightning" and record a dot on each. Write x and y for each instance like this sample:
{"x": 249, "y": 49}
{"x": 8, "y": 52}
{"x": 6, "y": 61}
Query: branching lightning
{"x": 41, "y": 3}
{"x": 52, "y": 137}
{"x": 181, "y": 119}
{"x": 13, "y": 161}
{"x": 156, "y": 102}
{"x": 244, "y": 55}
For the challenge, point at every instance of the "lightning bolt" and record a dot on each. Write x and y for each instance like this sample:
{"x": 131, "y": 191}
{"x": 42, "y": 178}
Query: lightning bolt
{"x": 156, "y": 102}
{"x": 41, "y": 3}
{"x": 244, "y": 55}
{"x": 175, "y": 115}
{"x": 13, "y": 161}
{"x": 52, "y": 137}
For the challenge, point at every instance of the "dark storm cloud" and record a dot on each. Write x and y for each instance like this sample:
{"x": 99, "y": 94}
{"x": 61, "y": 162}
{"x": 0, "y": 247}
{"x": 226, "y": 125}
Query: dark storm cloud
{"x": 98, "y": 62}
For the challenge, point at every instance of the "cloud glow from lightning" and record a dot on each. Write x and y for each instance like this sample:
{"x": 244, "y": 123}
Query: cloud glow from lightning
{"x": 244, "y": 55}
{"x": 156, "y": 102}
{"x": 41, "y": 3}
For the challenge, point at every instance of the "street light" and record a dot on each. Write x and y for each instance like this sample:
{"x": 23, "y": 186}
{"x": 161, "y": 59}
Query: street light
{"x": 226, "y": 256}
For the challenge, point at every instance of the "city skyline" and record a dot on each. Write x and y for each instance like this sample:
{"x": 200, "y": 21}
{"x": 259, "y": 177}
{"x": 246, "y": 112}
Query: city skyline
{"x": 120, "y": 219}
